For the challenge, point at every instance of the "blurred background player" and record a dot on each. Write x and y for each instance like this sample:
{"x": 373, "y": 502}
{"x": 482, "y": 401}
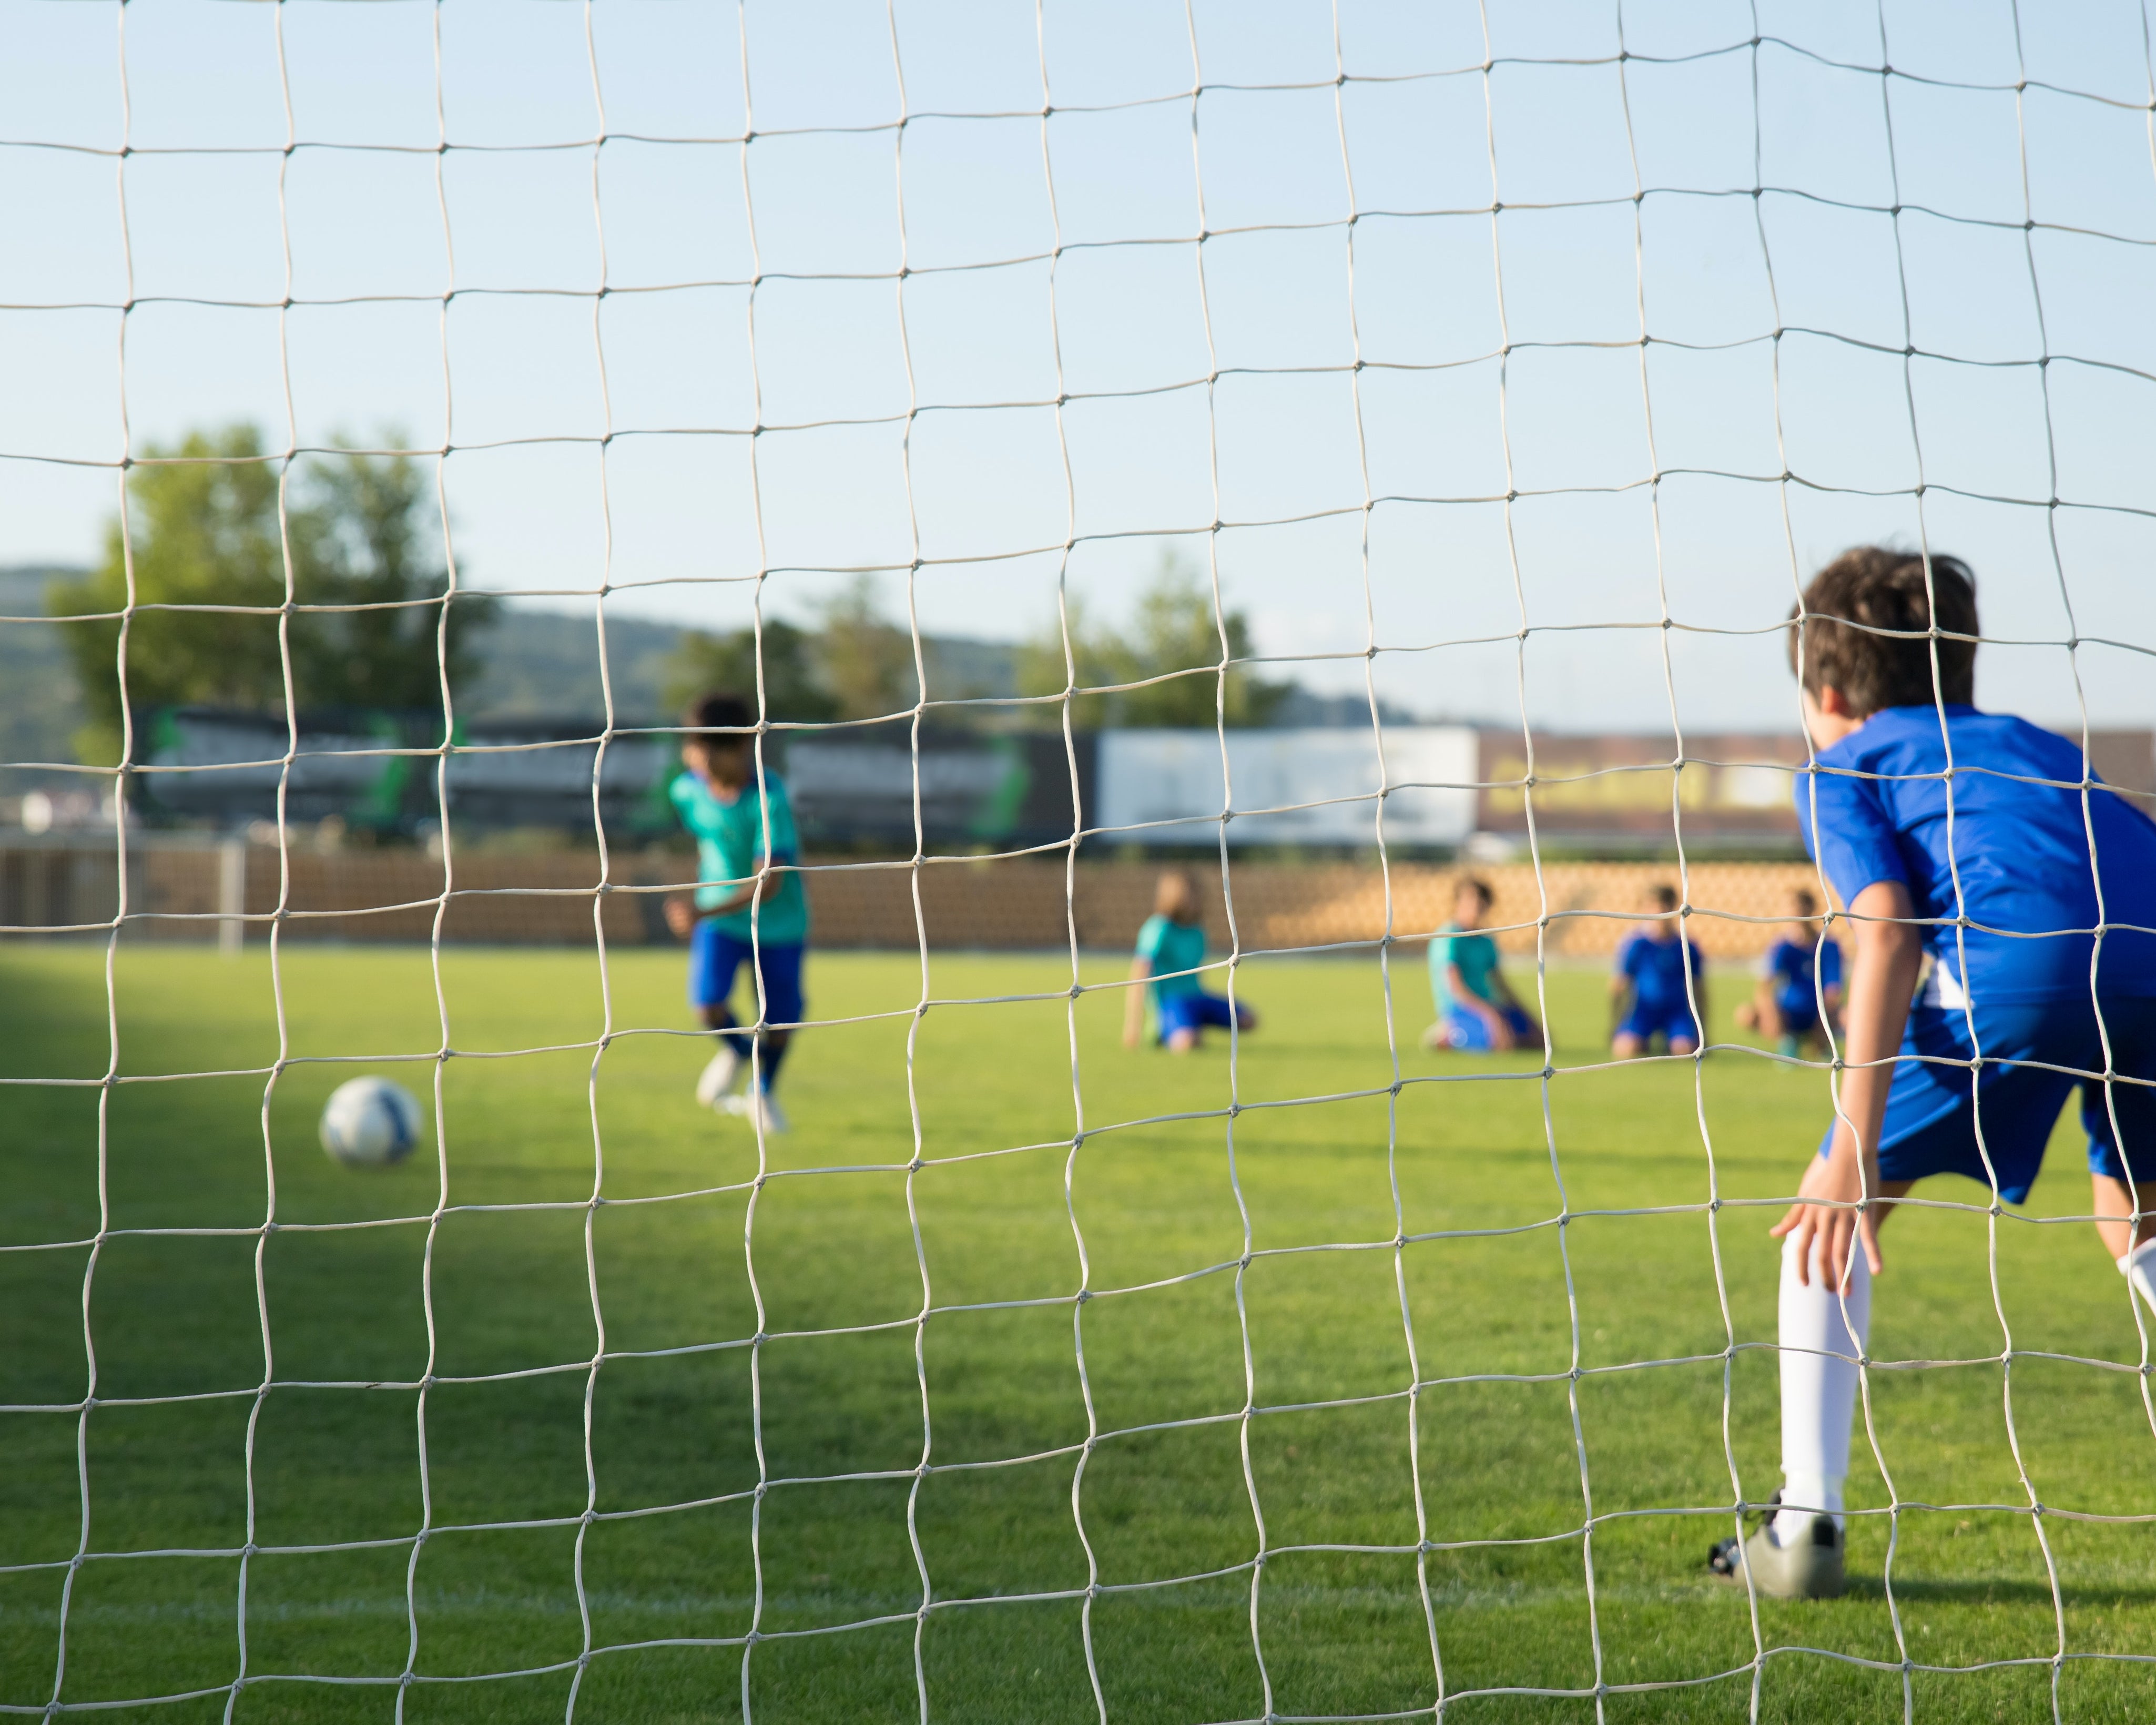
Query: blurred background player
{"x": 1171, "y": 950}
{"x": 1648, "y": 993}
{"x": 750, "y": 910}
{"x": 2005, "y": 896}
{"x": 1801, "y": 971}
{"x": 1476, "y": 1010}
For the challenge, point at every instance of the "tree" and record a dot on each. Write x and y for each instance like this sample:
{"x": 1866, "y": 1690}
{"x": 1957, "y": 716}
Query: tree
{"x": 1175, "y": 638}
{"x": 369, "y": 534}
{"x": 204, "y": 530}
{"x": 863, "y": 660}
{"x": 727, "y": 661}
{"x": 856, "y": 665}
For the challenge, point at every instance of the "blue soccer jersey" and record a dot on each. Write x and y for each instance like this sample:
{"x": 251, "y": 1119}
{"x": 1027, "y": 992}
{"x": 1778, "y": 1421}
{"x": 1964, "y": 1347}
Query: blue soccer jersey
{"x": 1657, "y": 970}
{"x": 1798, "y": 972}
{"x": 2018, "y": 849}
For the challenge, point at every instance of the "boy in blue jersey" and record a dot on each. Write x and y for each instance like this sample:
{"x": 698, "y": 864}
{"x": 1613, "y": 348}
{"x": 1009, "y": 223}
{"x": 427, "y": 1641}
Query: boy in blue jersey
{"x": 750, "y": 908}
{"x": 1800, "y": 973}
{"x": 1968, "y": 837}
{"x": 1648, "y": 991}
{"x": 1171, "y": 951}
{"x": 1477, "y": 1013}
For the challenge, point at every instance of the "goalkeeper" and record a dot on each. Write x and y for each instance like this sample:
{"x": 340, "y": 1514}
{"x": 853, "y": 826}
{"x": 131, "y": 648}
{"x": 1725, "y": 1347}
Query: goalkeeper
{"x": 749, "y": 910}
{"x": 1967, "y": 837}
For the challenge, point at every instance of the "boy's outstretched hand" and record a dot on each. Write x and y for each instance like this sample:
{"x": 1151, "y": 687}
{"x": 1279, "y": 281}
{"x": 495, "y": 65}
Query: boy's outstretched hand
{"x": 682, "y": 914}
{"x": 1821, "y": 1226}
{"x": 1889, "y": 953}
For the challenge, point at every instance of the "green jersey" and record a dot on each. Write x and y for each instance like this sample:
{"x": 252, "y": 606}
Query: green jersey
{"x": 730, "y": 843}
{"x": 1173, "y": 946}
{"x": 1476, "y": 954}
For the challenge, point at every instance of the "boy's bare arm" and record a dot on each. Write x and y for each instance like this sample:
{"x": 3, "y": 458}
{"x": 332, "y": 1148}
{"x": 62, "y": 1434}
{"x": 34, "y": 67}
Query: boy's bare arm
{"x": 1890, "y": 953}
{"x": 1134, "y": 1001}
{"x": 683, "y": 912}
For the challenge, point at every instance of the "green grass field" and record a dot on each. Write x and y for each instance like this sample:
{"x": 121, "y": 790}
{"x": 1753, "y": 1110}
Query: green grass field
{"x": 681, "y": 1559}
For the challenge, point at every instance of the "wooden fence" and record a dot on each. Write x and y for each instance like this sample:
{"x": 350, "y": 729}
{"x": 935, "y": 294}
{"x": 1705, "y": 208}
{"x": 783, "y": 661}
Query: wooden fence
{"x": 191, "y": 893}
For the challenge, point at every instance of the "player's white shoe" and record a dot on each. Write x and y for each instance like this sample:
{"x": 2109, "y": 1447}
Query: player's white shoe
{"x": 759, "y": 1107}
{"x": 719, "y": 1075}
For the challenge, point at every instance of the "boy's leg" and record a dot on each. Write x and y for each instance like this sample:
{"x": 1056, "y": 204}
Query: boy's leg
{"x": 1214, "y": 1011}
{"x": 1822, "y": 1334}
{"x": 1460, "y": 1031}
{"x": 2131, "y": 1246}
{"x": 1183, "y": 1019}
{"x": 1931, "y": 1127}
{"x": 713, "y": 959}
{"x": 2125, "y": 1184}
{"x": 781, "y": 1006}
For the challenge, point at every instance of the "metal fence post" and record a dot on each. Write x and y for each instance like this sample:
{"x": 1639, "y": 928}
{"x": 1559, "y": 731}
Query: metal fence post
{"x": 231, "y": 895}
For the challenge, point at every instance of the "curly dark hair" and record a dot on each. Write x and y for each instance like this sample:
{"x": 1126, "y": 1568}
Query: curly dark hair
{"x": 728, "y": 715}
{"x": 1865, "y": 629}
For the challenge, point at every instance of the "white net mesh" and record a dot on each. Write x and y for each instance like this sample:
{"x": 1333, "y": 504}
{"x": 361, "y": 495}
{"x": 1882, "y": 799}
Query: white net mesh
{"x": 1469, "y": 333}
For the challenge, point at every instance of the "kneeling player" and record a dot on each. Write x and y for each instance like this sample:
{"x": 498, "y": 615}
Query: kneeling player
{"x": 1649, "y": 992}
{"x": 1171, "y": 951}
{"x": 750, "y": 909}
{"x": 1476, "y": 1010}
{"x": 1801, "y": 972}
{"x": 2004, "y": 897}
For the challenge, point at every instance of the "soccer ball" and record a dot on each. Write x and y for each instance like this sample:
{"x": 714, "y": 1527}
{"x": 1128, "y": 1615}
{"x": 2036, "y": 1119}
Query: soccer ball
{"x": 369, "y": 1122}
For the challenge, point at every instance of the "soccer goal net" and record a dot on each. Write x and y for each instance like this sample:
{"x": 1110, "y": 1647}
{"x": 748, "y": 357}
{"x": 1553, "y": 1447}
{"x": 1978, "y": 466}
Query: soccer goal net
{"x": 1170, "y": 612}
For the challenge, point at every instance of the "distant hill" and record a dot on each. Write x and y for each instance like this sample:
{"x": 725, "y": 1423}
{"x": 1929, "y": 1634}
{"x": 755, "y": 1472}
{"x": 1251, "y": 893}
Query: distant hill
{"x": 546, "y": 664}
{"x": 537, "y": 665}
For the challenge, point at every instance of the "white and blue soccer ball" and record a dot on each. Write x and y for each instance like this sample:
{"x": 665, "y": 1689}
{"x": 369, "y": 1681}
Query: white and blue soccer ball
{"x": 369, "y": 1122}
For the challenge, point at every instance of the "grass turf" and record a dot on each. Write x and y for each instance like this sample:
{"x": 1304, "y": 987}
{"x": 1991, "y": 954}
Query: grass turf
{"x": 326, "y": 1482}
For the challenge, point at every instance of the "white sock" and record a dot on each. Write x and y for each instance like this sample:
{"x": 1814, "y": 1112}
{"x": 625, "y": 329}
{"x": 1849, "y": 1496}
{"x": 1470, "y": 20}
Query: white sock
{"x": 2138, "y": 1267}
{"x": 1819, "y": 1387}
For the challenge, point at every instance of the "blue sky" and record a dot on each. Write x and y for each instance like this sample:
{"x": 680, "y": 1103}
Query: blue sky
{"x": 526, "y": 217}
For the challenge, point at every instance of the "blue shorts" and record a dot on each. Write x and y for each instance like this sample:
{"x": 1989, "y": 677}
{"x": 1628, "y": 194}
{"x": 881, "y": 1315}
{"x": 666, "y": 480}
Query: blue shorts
{"x": 1932, "y": 1118}
{"x": 1191, "y": 1012}
{"x": 714, "y": 957}
{"x": 1465, "y": 1031}
{"x": 1671, "y": 1018}
{"x": 1801, "y": 1019}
